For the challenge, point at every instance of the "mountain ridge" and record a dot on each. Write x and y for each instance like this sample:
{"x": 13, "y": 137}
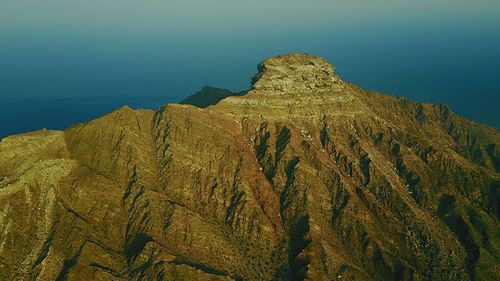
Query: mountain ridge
{"x": 209, "y": 95}
{"x": 305, "y": 177}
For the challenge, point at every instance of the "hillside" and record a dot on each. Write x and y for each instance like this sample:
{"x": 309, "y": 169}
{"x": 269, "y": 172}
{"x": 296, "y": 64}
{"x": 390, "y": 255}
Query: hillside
{"x": 305, "y": 177}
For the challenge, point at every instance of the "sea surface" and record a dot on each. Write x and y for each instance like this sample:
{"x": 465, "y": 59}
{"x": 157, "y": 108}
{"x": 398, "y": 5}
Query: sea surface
{"x": 54, "y": 80}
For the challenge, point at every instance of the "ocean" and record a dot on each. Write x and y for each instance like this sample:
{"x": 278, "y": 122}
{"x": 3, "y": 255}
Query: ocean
{"x": 56, "y": 80}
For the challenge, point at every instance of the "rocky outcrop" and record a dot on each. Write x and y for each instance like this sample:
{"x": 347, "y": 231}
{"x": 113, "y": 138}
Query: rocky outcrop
{"x": 305, "y": 177}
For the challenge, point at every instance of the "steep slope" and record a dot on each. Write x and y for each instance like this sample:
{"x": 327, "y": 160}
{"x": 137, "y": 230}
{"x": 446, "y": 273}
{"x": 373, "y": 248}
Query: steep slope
{"x": 305, "y": 177}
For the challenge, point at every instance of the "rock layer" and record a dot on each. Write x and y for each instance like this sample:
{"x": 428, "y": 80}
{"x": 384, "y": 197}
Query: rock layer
{"x": 305, "y": 177}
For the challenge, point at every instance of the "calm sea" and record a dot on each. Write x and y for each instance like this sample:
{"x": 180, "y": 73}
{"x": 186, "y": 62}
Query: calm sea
{"x": 55, "y": 81}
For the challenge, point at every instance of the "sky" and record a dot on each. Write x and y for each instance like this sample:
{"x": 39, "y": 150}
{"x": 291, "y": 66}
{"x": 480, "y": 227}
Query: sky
{"x": 95, "y": 55}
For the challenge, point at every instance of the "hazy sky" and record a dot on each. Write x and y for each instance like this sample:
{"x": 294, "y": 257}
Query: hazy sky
{"x": 231, "y": 15}
{"x": 439, "y": 50}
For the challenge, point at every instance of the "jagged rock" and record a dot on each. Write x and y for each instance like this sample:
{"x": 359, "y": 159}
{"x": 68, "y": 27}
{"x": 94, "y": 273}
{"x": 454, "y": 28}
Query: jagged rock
{"x": 305, "y": 177}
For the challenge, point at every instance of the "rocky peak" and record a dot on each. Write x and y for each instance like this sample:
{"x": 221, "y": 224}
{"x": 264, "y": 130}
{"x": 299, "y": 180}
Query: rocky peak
{"x": 294, "y": 86}
{"x": 309, "y": 180}
{"x": 294, "y": 72}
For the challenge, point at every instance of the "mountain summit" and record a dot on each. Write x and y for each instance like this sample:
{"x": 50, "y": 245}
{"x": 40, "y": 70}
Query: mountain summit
{"x": 294, "y": 72}
{"x": 304, "y": 177}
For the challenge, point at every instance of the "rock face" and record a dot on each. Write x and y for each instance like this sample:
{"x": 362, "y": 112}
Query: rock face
{"x": 305, "y": 177}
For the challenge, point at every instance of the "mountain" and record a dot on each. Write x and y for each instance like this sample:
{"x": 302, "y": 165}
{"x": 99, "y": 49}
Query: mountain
{"x": 209, "y": 96}
{"x": 305, "y": 177}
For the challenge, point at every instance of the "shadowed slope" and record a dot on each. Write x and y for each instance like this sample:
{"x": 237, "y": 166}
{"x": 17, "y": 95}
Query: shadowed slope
{"x": 208, "y": 96}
